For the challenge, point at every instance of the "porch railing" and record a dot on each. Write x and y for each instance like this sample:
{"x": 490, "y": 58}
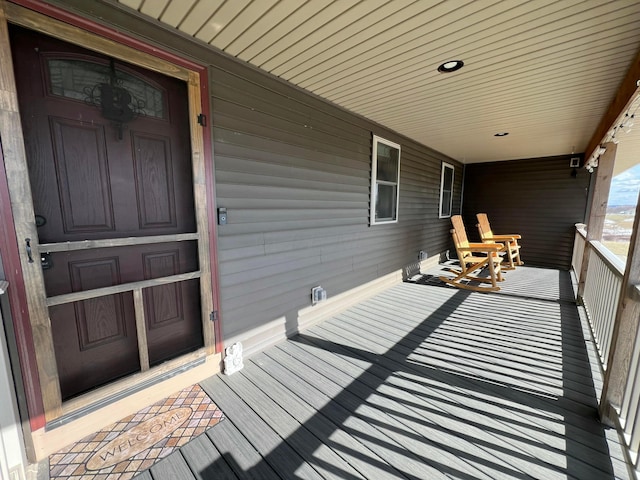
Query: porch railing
{"x": 601, "y": 288}
{"x": 578, "y": 248}
{"x": 601, "y": 293}
{"x": 629, "y": 410}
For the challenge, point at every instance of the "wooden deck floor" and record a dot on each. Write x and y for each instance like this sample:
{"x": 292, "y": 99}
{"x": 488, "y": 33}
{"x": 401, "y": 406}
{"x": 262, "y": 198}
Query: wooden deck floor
{"x": 419, "y": 382}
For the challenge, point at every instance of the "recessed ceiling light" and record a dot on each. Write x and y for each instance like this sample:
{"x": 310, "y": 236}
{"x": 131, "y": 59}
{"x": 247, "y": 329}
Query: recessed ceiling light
{"x": 451, "y": 66}
{"x": 501, "y": 134}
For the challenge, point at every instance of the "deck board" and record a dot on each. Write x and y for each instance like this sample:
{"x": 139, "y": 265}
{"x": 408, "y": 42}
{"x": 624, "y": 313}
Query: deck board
{"x": 397, "y": 405}
{"x": 205, "y": 461}
{"x": 519, "y": 443}
{"x": 356, "y": 397}
{"x": 287, "y": 462}
{"x": 238, "y": 452}
{"x": 419, "y": 382}
{"x": 171, "y": 468}
{"x": 328, "y": 464}
{"x": 363, "y": 460}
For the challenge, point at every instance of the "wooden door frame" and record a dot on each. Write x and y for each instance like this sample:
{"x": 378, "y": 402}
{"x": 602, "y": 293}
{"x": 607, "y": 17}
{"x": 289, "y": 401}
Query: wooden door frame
{"x": 57, "y": 23}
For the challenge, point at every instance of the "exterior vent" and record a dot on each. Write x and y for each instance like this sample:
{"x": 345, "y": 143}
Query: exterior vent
{"x": 318, "y": 294}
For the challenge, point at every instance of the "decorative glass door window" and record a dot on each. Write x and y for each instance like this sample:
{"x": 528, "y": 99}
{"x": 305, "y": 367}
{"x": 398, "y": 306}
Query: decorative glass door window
{"x": 385, "y": 181}
{"x": 81, "y": 79}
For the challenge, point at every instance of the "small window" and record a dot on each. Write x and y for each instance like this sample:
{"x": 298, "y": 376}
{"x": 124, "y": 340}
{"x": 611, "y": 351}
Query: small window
{"x": 78, "y": 80}
{"x": 385, "y": 181}
{"x": 446, "y": 190}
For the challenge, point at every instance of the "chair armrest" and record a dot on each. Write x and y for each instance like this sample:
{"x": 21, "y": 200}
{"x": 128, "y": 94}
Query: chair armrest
{"x": 505, "y": 237}
{"x": 481, "y": 247}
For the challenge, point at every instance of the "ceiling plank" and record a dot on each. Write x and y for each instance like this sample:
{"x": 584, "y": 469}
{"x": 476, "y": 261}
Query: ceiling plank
{"x": 284, "y": 28}
{"x": 220, "y": 20}
{"x": 270, "y": 20}
{"x": 176, "y": 12}
{"x": 241, "y": 23}
{"x": 201, "y": 13}
{"x": 296, "y": 35}
{"x": 153, "y": 8}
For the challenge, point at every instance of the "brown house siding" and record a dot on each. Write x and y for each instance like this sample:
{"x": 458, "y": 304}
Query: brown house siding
{"x": 293, "y": 172}
{"x": 538, "y": 198}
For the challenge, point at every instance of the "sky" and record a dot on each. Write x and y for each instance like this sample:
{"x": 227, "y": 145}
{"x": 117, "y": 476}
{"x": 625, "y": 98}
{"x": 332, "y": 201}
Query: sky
{"x": 625, "y": 187}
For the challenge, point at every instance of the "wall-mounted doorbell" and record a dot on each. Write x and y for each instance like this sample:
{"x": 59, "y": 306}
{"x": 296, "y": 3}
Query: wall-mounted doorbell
{"x": 222, "y": 216}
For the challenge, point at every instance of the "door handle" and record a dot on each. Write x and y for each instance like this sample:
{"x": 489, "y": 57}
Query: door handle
{"x": 29, "y": 253}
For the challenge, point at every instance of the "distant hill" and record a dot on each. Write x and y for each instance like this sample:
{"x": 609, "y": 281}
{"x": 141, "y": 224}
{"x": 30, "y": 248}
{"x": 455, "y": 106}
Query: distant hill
{"x": 622, "y": 209}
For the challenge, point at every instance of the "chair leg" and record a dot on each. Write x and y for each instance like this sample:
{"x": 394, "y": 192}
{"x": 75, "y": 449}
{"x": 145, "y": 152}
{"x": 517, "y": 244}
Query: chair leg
{"x": 517, "y": 250}
{"x": 467, "y": 273}
{"x": 510, "y": 255}
{"x": 495, "y": 276}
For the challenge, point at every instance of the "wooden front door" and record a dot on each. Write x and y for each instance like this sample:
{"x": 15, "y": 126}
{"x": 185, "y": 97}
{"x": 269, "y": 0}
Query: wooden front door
{"x": 108, "y": 150}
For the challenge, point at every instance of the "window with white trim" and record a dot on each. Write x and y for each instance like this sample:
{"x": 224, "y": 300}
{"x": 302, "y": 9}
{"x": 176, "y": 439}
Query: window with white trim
{"x": 385, "y": 181}
{"x": 446, "y": 190}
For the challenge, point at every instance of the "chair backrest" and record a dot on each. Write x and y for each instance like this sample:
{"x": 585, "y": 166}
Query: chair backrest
{"x": 483, "y": 226}
{"x": 459, "y": 235}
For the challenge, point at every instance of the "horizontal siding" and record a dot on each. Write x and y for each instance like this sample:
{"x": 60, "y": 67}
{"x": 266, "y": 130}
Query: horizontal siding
{"x": 294, "y": 175}
{"x": 537, "y": 198}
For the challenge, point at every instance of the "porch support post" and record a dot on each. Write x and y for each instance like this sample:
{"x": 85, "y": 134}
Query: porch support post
{"x": 598, "y": 208}
{"x": 625, "y": 330}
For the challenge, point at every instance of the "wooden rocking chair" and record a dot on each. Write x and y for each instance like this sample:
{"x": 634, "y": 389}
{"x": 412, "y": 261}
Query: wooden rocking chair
{"x": 510, "y": 245}
{"x": 470, "y": 262}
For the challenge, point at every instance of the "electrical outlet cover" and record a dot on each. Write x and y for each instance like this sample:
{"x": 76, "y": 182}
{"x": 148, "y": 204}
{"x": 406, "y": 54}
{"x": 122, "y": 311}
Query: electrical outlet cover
{"x": 233, "y": 359}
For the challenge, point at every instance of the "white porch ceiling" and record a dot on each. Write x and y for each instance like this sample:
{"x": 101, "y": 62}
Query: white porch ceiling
{"x": 543, "y": 70}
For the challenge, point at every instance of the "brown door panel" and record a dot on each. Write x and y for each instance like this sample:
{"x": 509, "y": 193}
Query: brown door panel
{"x": 95, "y": 342}
{"x": 173, "y": 320}
{"x": 134, "y": 264}
{"x": 101, "y": 169}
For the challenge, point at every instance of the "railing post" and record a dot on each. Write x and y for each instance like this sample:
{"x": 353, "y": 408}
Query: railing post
{"x": 625, "y": 330}
{"x": 579, "y": 240}
{"x": 598, "y": 210}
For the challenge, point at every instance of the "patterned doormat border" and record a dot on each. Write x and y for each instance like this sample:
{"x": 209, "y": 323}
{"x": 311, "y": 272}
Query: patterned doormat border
{"x": 135, "y": 443}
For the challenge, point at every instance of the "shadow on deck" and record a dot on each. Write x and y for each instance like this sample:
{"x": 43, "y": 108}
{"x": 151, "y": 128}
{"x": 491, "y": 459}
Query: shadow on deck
{"x": 419, "y": 382}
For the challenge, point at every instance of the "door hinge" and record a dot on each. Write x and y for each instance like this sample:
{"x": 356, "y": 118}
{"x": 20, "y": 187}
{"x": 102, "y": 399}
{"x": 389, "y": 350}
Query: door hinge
{"x": 202, "y": 119}
{"x": 213, "y": 316}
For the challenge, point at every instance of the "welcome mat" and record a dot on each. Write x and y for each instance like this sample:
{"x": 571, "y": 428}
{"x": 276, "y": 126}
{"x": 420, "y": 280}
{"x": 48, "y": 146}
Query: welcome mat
{"x": 136, "y": 442}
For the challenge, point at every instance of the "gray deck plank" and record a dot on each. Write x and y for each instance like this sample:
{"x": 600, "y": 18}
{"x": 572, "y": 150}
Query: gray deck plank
{"x": 499, "y": 335}
{"x": 275, "y": 451}
{"x": 171, "y": 468}
{"x": 528, "y": 401}
{"x": 395, "y": 345}
{"x": 339, "y": 333}
{"x": 509, "y": 360}
{"x": 245, "y": 461}
{"x": 395, "y": 454}
{"x": 420, "y": 381}
{"x": 471, "y": 339}
{"x": 423, "y": 447}
{"x": 466, "y": 394}
{"x": 363, "y": 459}
{"x": 522, "y": 447}
{"x": 323, "y": 459}
{"x": 466, "y": 401}
{"x": 474, "y": 363}
{"x": 441, "y": 439}
{"x": 205, "y": 461}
